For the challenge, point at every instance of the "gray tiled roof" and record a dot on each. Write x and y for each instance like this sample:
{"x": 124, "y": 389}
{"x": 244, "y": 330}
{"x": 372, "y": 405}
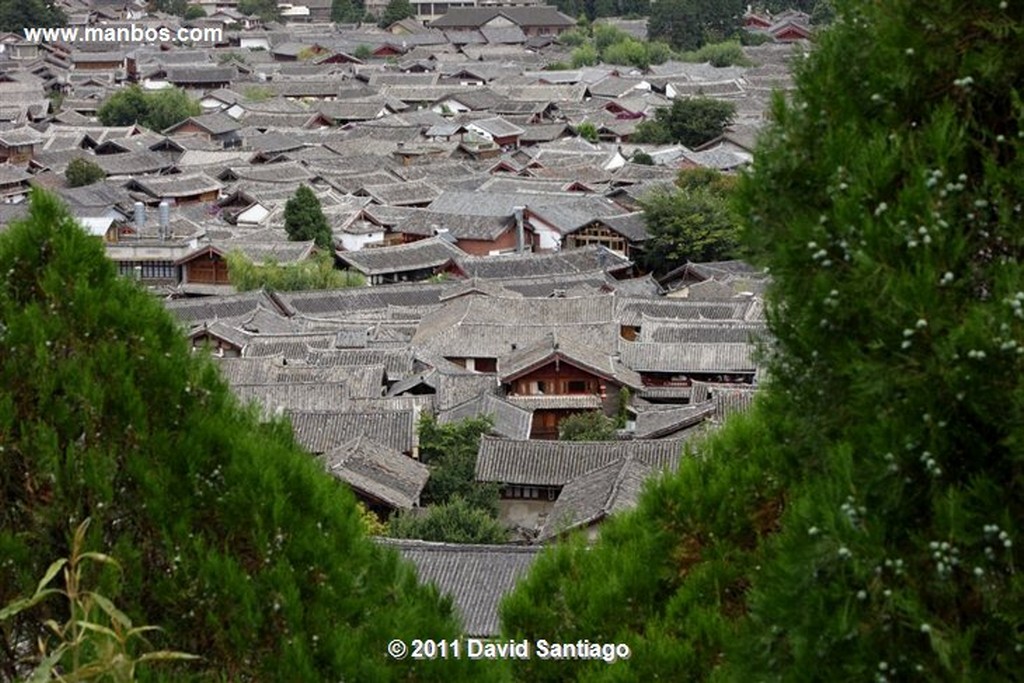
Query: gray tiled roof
{"x": 683, "y": 358}
{"x": 197, "y": 311}
{"x": 556, "y": 463}
{"x": 378, "y": 471}
{"x": 568, "y": 261}
{"x": 428, "y": 253}
{"x": 676, "y": 331}
{"x": 477, "y": 577}
{"x": 397, "y": 361}
{"x": 557, "y": 347}
{"x": 593, "y": 496}
{"x": 475, "y": 17}
{"x": 322, "y": 431}
{"x": 276, "y": 397}
{"x": 632, "y": 311}
{"x": 658, "y": 423}
{"x": 510, "y": 421}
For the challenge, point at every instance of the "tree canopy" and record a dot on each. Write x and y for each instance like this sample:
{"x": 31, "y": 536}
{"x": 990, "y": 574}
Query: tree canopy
{"x": 396, "y": 10}
{"x": 156, "y": 110}
{"x": 82, "y": 171}
{"x": 689, "y": 121}
{"x": 231, "y": 538}
{"x": 689, "y": 24}
{"x": 693, "y": 222}
{"x": 304, "y": 219}
{"x": 317, "y": 272}
{"x": 16, "y": 15}
{"x": 863, "y": 521}
{"x": 592, "y": 425}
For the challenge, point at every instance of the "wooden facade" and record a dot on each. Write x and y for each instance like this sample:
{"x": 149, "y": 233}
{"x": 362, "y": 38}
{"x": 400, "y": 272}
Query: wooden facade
{"x": 207, "y": 267}
{"x": 559, "y": 378}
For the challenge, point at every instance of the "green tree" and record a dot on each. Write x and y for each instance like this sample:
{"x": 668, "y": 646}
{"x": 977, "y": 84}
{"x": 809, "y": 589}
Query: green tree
{"x": 450, "y": 452}
{"x": 456, "y": 521}
{"x": 688, "y": 24}
{"x": 729, "y": 53}
{"x": 82, "y": 171}
{"x": 396, "y": 10}
{"x": 157, "y": 110}
{"x": 692, "y": 223}
{"x": 588, "y": 131}
{"x": 21, "y": 14}
{"x": 864, "y": 520}
{"x": 346, "y": 11}
{"x": 642, "y": 157}
{"x": 317, "y": 272}
{"x": 584, "y": 55}
{"x": 591, "y": 425}
{"x": 230, "y": 537}
{"x": 691, "y": 122}
{"x": 267, "y": 10}
{"x": 305, "y": 220}
{"x": 124, "y": 108}
{"x": 194, "y": 12}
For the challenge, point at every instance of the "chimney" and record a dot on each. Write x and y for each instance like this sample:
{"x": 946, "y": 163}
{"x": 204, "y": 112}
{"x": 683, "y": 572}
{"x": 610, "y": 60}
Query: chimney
{"x": 165, "y": 220}
{"x": 518, "y": 211}
{"x": 140, "y": 217}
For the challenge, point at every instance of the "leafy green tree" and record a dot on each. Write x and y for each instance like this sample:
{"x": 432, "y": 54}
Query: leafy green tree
{"x": 175, "y": 7}
{"x": 157, "y": 110}
{"x": 729, "y": 53}
{"x": 229, "y": 536}
{"x": 194, "y": 12}
{"x": 692, "y": 223}
{"x": 305, "y": 220}
{"x": 642, "y": 157}
{"x": 363, "y": 52}
{"x": 864, "y": 520}
{"x": 317, "y": 272}
{"x": 124, "y": 108}
{"x": 688, "y": 24}
{"x": 584, "y": 55}
{"x": 21, "y": 14}
{"x": 591, "y": 425}
{"x": 82, "y": 171}
{"x": 396, "y": 10}
{"x": 456, "y": 521}
{"x": 450, "y": 452}
{"x": 691, "y": 122}
{"x": 267, "y": 10}
{"x": 588, "y": 131}
{"x": 347, "y": 11}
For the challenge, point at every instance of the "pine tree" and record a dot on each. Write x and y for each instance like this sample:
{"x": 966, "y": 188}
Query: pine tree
{"x": 231, "y": 538}
{"x": 304, "y": 219}
{"x": 863, "y": 522}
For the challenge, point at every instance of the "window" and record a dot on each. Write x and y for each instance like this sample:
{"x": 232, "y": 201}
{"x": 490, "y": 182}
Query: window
{"x": 577, "y": 386}
{"x": 541, "y": 388}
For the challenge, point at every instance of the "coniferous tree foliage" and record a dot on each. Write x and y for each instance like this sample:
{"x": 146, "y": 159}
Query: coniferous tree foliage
{"x": 863, "y": 522}
{"x": 304, "y": 219}
{"x": 231, "y": 539}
